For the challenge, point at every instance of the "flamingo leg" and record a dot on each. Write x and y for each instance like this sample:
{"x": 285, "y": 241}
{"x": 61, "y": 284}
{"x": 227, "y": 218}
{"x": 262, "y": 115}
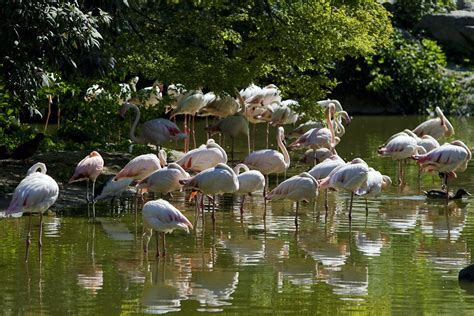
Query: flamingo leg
{"x": 296, "y": 215}
{"x": 146, "y": 235}
{"x": 87, "y": 191}
{"x": 213, "y": 210}
{"x": 366, "y": 208}
{"x": 28, "y": 238}
{"x": 326, "y": 205}
{"x": 40, "y": 232}
{"x": 157, "y": 238}
{"x": 242, "y": 205}
{"x": 350, "y": 207}
{"x": 194, "y": 132}
{"x": 93, "y": 202}
{"x": 164, "y": 243}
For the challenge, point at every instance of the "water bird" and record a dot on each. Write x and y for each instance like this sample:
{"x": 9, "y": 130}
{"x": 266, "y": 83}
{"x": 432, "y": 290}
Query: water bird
{"x": 204, "y": 157}
{"x": 436, "y": 127}
{"x": 249, "y": 181}
{"x": 161, "y": 216}
{"x": 35, "y": 194}
{"x": 441, "y": 194}
{"x": 88, "y": 169}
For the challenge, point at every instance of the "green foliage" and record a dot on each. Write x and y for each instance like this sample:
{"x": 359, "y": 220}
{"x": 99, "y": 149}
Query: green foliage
{"x": 406, "y": 13}
{"x": 411, "y": 74}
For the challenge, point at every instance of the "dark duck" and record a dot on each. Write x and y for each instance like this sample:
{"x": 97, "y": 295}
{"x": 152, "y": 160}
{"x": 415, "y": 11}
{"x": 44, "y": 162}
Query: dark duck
{"x": 443, "y": 195}
{"x": 27, "y": 149}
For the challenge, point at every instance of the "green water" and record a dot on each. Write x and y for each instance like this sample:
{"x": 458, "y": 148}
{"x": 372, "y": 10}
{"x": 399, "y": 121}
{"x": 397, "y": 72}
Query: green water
{"x": 403, "y": 258}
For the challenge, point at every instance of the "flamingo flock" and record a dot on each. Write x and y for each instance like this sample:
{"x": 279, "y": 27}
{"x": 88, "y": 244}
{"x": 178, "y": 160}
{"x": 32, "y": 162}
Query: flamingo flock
{"x": 205, "y": 171}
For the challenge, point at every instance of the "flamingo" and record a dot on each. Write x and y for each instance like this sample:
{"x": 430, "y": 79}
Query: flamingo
{"x": 156, "y": 131}
{"x": 302, "y": 187}
{"x": 323, "y": 169}
{"x": 436, "y": 127}
{"x": 232, "y": 126}
{"x": 188, "y": 104}
{"x": 165, "y": 180}
{"x": 264, "y": 96}
{"x": 373, "y": 186}
{"x": 217, "y": 180}
{"x": 204, "y": 157}
{"x": 112, "y": 189}
{"x": 163, "y": 217}
{"x": 34, "y": 194}
{"x": 141, "y": 166}
{"x": 319, "y": 137}
{"x": 219, "y": 106}
{"x": 269, "y": 161}
{"x": 249, "y": 181}
{"x": 315, "y": 157}
{"x": 252, "y": 112}
{"x": 400, "y": 147}
{"x": 87, "y": 169}
{"x": 446, "y": 159}
{"x": 349, "y": 177}
{"x": 284, "y": 113}
{"x": 149, "y": 96}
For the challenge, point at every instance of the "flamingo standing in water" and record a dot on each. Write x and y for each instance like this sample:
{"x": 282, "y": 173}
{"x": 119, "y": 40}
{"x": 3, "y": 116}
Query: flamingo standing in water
{"x": 204, "y": 157}
{"x": 87, "y": 169}
{"x": 249, "y": 181}
{"x": 302, "y": 187}
{"x": 436, "y": 127}
{"x": 141, "y": 166}
{"x": 349, "y": 177}
{"x": 34, "y": 194}
{"x": 375, "y": 184}
{"x": 163, "y": 217}
{"x": 446, "y": 159}
{"x": 217, "y": 180}
{"x": 165, "y": 180}
{"x": 156, "y": 131}
{"x": 269, "y": 161}
{"x": 324, "y": 169}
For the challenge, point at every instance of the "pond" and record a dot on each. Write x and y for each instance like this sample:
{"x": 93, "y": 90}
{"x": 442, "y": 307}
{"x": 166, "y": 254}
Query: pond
{"x": 404, "y": 257}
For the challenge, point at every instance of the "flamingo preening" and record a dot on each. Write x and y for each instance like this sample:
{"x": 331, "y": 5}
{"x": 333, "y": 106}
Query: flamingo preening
{"x": 164, "y": 180}
{"x": 161, "y": 216}
{"x": 436, "y": 127}
{"x": 249, "y": 182}
{"x": 156, "y": 131}
{"x": 88, "y": 169}
{"x": 34, "y": 194}
{"x": 302, "y": 187}
{"x": 204, "y": 157}
{"x": 373, "y": 186}
{"x": 446, "y": 159}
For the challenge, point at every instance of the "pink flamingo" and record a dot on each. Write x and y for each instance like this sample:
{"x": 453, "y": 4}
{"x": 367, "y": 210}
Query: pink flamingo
{"x": 161, "y": 216}
{"x": 249, "y": 181}
{"x": 319, "y": 137}
{"x": 400, "y": 147}
{"x": 349, "y": 177}
{"x": 302, "y": 187}
{"x": 204, "y": 157}
{"x": 446, "y": 159}
{"x": 140, "y": 167}
{"x": 87, "y": 169}
{"x": 165, "y": 180}
{"x": 34, "y": 194}
{"x": 155, "y": 131}
{"x": 217, "y": 180}
{"x": 436, "y": 127}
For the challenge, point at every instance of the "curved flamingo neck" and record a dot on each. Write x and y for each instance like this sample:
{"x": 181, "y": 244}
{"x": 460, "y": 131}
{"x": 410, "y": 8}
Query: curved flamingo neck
{"x": 282, "y": 147}
{"x": 329, "y": 122}
{"x": 240, "y": 166}
{"x": 214, "y": 145}
{"x": 39, "y": 165}
{"x": 133, "y": 137}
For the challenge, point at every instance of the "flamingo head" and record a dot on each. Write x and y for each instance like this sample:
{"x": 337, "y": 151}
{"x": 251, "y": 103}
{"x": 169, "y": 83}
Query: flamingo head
{"x": 94, "y": 154}
{"x": 125, "y": 107}
{"x": 386, "y": 182}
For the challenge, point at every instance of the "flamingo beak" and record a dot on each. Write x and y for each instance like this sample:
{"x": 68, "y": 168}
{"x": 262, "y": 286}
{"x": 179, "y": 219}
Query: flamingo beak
{"x": 192, "y": 195}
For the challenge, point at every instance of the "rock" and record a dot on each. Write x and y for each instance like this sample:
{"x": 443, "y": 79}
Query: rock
{"x": 467, "y": 274}
{"x": 465, "y": 5}
{"x": 454, "y": 30}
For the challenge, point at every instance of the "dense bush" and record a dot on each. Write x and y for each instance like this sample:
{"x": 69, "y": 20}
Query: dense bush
{"x": 411, "y": 74}
{"x": 406, "y": 13}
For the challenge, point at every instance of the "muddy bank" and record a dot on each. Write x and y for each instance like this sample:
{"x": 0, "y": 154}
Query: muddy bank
{"x": 60, "y": 166}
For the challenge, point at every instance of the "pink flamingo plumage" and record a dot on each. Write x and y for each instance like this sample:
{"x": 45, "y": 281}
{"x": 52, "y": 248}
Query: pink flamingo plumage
{"x": 249, "y": 181}
{"x": 349, "y": 177}
{"x": 140, "y": 167}
{"x": 436, "y": 127}
{"x": 164, "y": 180}
{"x": 446, "y": 159}
{"x": 88, "y": 169}
{"x": 163, "y": 217}
{"x": 204, "y": 157}
{"x": 34, "y": 194}
{"x": 373, "y": 186}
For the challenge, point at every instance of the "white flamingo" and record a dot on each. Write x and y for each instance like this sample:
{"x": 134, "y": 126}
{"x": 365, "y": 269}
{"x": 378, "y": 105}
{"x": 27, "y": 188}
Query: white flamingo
{"x": 373, "y": 186}
{"x": 314, "y": 157}
{"x": 269, "y": 161}
{"x": 156, "y": 131}
{"x": 162, "y": 217}
{"x": 436, "y": 127}
{"x": 204, "y": 157}
{"x": 249, "y": 182}
{"x": 141, "y": 166}
{"x": 34, "y": 194}
{"x": 349, "y": 177}
{"x": 217, "y": 180}
{"x": 302, "y": 187}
